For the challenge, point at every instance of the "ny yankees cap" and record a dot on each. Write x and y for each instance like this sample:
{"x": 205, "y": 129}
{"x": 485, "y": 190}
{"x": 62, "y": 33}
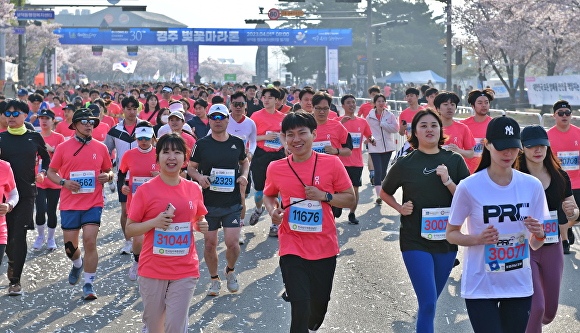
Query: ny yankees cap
{"x": 503, "y": 132}
{"x": 534, "y": 136}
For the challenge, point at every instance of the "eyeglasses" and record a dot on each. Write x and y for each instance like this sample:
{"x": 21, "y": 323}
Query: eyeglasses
{"x": 143, "y": 138}
{"x": 326, "y": 108}
{"x": 88, "y": 122}
{"x": 562, "y": 113}
{"x": 217, "y": 117}
{"x": 13, "y": 113}
{"x": 238, "y": 104}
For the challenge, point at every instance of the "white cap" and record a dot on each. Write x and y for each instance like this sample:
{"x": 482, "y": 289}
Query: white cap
{"x": 218, "y": 108}
{"x": 144, "y": 132}
{"x": 176, "y": 106}
{"x": 177, "y": 114}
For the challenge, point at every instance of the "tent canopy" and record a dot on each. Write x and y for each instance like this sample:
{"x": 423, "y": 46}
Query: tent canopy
{"x": 415, "y": 77}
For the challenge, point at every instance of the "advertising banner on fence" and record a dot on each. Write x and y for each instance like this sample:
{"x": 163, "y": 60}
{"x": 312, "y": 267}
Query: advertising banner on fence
{"x": 546, "y": 90}
{"x": 499, "y": 88}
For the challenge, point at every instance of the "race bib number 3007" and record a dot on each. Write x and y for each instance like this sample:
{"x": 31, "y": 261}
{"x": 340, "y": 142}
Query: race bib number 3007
{"x": 509, "y": 253}
{"x": 434, "y": 223}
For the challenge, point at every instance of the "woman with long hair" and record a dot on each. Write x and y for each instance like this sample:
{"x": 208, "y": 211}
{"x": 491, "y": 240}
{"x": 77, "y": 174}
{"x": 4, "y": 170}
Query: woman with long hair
{"x": 548, "y": 261}
{"x": 503, "y": 210}
{"x": 151, "y": 109}
{"x": 428, "y": 176}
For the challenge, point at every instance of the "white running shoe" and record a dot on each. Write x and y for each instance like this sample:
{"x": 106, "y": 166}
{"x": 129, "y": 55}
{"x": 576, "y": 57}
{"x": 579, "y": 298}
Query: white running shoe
{"x": 241, "y": 238}
{"x": 232, "y": 280}
{"x": 214, "y": 287}
{"x": 38, "y": 243}
{"x": 273, "y": 231}
{"x": 133, "y": 271}
{"x": 51, "y": 244}
{"x": 112, "y": 187}
{"x": 127, "y": 248}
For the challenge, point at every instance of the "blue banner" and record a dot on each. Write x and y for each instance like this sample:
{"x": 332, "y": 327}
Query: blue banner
{"x": 187, "y": 36}
{"x": 34, "y": 14}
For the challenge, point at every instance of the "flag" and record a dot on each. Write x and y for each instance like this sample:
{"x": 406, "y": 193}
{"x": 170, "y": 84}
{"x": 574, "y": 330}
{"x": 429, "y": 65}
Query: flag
{"x": 156, "y": 76}
{"x": 125, "y": 66}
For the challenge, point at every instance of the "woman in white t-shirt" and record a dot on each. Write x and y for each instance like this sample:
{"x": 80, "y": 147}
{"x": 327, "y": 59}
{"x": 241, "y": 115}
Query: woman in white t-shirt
{"x": 504, "y": 210}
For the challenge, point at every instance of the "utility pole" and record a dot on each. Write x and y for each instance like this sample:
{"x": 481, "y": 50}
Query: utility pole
{"x": 22, "y": 50}
{"x": 449, "y": 47}
{"x": 370, "y": 59}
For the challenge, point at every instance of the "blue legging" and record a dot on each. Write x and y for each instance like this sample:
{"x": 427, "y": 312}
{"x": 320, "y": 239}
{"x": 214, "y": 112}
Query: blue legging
{"x": 429, "y": 273}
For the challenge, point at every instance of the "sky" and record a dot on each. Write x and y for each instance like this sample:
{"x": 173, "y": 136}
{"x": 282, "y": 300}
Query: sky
{"x": 215, "y": 14}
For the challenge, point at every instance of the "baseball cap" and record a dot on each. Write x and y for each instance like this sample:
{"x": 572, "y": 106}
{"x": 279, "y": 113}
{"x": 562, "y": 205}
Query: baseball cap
{"x": 177, "y": 114}
{"x": 94, "y": 109}
{"x": 218, "y": 108}
{"x": 176, "y": 106}
{"x": 534, "y": 136}
{"x": 144, "y": 132}
{"x": 504, "y": 133}
{"x": 70, "y": 107}
{"x": 167, "y": 89}
{"x": 22, "y": 92}
{"x": 46, "y": 113}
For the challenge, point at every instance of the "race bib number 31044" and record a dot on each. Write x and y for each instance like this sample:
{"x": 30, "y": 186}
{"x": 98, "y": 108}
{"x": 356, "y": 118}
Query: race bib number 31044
{"x": 174, "y": 241}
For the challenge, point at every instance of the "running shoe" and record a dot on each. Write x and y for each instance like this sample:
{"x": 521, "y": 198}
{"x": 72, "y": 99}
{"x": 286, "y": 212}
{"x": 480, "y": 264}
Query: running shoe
{"x": 456, "y": 263}
{"x": 241, "y": 239}
{"x": 133, "y": 271}
{"x": 15, "y": 289}
{"x": 75, "y": 274}
{"x": 256, "y": 216}
{"x": 88, "y": 292}
{"x": 566, "y": 246}
{"x": 214, "y": 287}
{"x": 112, "y": 187}
{"x": 38, "y": 243}
{"x": 273, "y": 231}
{"x": 127, "y": 248}
{"x": 232, "y": 280}
{"x": 379, "y": 201}
{"x": 51, "y": 244}
{"x": 352, "y": 218}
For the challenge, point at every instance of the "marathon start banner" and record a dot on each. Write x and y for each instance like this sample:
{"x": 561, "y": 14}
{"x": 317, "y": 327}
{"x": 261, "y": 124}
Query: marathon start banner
{"x": 188, "y": 36}
{"x": 545, "y": 90}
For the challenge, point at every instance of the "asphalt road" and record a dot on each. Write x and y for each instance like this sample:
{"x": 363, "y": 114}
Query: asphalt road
{"x": 372, "y": 291}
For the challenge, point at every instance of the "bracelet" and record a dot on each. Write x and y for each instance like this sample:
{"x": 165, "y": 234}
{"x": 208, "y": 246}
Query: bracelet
{"x": 540, "y": 239}
{"x": 449, "y": 181}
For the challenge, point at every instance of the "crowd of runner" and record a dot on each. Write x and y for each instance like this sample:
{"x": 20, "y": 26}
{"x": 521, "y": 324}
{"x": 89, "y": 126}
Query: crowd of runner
{"x": 186, "y": 158}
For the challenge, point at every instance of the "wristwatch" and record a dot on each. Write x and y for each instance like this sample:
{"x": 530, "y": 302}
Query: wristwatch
{"x": 61, "y": 183}
{"x": 328, "y": 197}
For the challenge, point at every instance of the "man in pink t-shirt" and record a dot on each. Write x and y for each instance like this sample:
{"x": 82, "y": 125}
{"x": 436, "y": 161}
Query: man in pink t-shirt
{"x": 364, "y": 109}
{"x": 479, "y": 101}
{"x": 459, "y": 138}
{"x": 406, "y": 117}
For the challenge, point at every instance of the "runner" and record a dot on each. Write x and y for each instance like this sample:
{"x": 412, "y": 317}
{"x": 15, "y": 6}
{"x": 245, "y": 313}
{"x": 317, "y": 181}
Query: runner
{"x": 358, "y": 129}
{"x": 122, "y": 138}
{"x": 548, "y": 261}
{"x": 10, "y": 193}
{"x": 221, "y": 175}
{"x": 162, "y": 119}
{"x": 305, "y": 104}
{"x": 19, "y": 146}
{"x": 166, "y": 97}
{"x": 81, "y": 166}
{"x": 430, "y": 95}
{"x": 175, "y": 106}
{"x": 141, "y": 166}
{"x": 168, "y": 272}
{"x": 496, "y": 282}
{"x": 428, "y": 257}
{"x": 480, "y": 102}
{"x": 62, "y": 126}
{"x": 309, "y": 183}
{"x": 406, "y": 117}
{"x": 200, "y": 122}
{"x": 565, "y": 144}
{"x": 366, "y": 108}
{"x": 269, "y": 148}
{"x": 48, "y": 192}
{"x": 151, "y": 109}
{"x": 383, "y": 125}
{"x": 458, "y": 136}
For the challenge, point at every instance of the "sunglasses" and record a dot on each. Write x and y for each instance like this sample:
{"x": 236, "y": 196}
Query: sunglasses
{"x": 325, "y": 108}
{"x": 562, "y": 113}
{"x": 143, "y": 138}
{"x": 217, "y": 117}
{"x": 13, "y": 113}
{"x": 88, "y": 121}
{"x": 238, "y": 104}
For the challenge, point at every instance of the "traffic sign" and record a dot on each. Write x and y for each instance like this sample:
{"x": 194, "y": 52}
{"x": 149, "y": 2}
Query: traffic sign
{"x": 230, "y": 77}
{"x": 19, "y": 30}
{"x": 292, "y": 13}
{"x": 34, "y": 14}
{"x": 273, "y": 14}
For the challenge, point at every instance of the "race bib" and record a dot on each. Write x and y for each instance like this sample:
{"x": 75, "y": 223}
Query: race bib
{"x": 274, "y": 144}
{"x": 551, "y": 228}
{"x": 478, "y": 148}
{"x": 434, "y": 222}
{"x": 86, "y": 180}
{"x": 319, "y": 146}
{"x": 510, "y": 253}
{"x": 356, "y": 137}
{"x": 174, "y": 241}
{"x": 138, "y": 181}
{"x": 305, "y": 216}
{"x": 568, "y": 159}
{"x": 224, "y": 180}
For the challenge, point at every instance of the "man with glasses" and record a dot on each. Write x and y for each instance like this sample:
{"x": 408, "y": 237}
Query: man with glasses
{"x": 254, "y": 104}
{"x": 199, "y": 123}
{"x": 81, "y": 166}
{"x": 122, "y": 138}
{"x": 20, "y": 146}
{"x": 565, "y": 143}
{"x": 219, "y": 164}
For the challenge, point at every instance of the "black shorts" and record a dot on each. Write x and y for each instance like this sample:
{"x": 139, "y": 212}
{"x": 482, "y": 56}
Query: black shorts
{"x": 227, "y": 217}
{"x": 260, "y": 163}
{"x": 122, "y": 197}
{"x": 355, "y": 175}
{"x": 307, "y": 279}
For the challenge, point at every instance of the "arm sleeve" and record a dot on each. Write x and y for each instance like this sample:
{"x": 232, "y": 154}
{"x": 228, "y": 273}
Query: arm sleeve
{"x": 110, "y": 143}
{"x": 12, "y": 197}
{"x": 195, "y": 155}
{"x": 252, "y": 137}
{"x": 348, "y": 143}
{"x": 460, "y": 205}
{"x": 367, "y": 130}
{"x": 41, "y": 150}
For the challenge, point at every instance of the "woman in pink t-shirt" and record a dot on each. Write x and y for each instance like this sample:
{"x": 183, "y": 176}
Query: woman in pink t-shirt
{"x": 7, "y": 190}
{"x": 166, "y": 210}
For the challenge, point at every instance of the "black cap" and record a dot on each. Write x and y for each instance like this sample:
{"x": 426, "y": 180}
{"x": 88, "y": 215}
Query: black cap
{"x": 70, "y": 107}
{"x": 46, "y": 113}
{"x": 94, "y": 109}
{"x": 534, "y": 136}
{"x": 82, "y": 114}
{"x": 504, "y": 133}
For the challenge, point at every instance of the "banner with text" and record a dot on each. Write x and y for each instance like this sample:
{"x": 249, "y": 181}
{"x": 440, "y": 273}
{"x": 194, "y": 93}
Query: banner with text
{"x": 546, "y": 90}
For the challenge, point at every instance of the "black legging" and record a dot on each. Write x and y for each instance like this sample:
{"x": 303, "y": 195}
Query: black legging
{"x": 46, "y": 203}
{"x": 307, "y": 314}
{"x": 381, "y": 163}
{"x": 19, "y": 221}
{"x": 501, "y": 315}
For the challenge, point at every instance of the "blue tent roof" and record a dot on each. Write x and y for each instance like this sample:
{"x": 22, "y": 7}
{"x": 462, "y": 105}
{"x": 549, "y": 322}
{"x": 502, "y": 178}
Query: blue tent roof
{"x": 415, "y": 77}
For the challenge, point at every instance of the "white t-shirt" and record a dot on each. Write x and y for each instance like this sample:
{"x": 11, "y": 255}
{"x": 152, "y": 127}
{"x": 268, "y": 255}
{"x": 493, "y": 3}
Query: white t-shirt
{"x": 246, "y": 130}
{"x": 166, "y": 129}
{"x": 484, "y": 202}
